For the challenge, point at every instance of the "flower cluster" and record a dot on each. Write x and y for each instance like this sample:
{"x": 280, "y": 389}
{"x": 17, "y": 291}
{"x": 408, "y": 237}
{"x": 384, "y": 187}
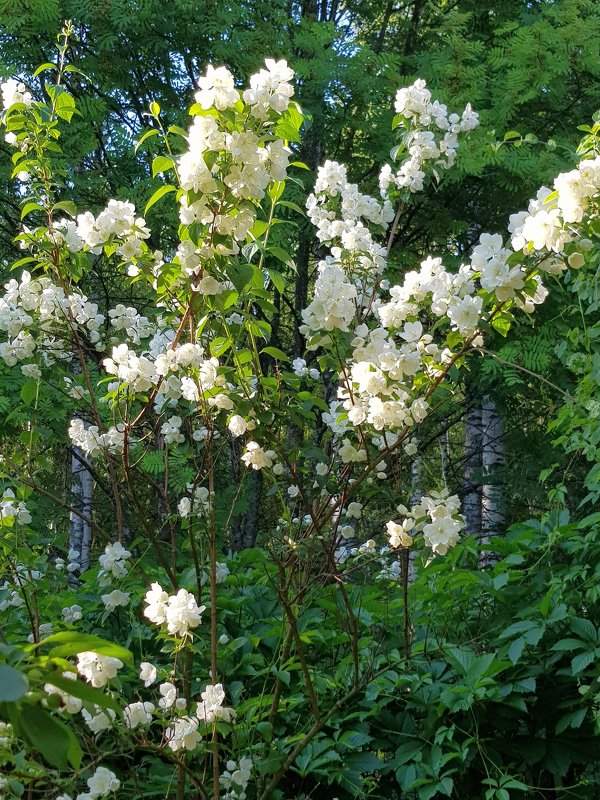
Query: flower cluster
{"x": 184, "y": 734}
{"x": 431, "y": 135}
{"x": 102, "y": 783}
{"x": 96, "y": 668}
{"x": 235, "y": 778}
{"x": 14, "y": 91}
{"x": 436, "y": 516}
{"x": 179, "y": 612}
{"x": 12, "y": 510}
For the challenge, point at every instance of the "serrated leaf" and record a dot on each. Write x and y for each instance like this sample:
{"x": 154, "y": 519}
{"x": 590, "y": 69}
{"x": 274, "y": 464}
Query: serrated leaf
{"x": 583, "y": 660}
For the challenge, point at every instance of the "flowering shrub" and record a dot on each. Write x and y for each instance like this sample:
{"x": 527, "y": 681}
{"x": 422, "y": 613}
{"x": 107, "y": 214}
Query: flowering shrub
{"x": 196, "y": 376}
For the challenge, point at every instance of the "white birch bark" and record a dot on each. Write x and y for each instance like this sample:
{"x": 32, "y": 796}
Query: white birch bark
{"x": 472, "y": 470}
{"x": 492, "y": 460}
{"x": 80, "y": 534}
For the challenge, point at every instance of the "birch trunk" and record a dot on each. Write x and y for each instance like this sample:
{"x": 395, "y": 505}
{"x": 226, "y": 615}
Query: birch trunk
{"x": 82, "y": 485}
{"x": 493, "y": 459}
{"x": 472, "y": 470}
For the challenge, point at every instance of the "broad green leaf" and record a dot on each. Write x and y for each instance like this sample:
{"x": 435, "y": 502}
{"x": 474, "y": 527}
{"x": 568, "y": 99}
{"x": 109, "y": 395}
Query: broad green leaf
{"x": 13, "y": 684}
{"x": 276, "y": 353}
{"x": 144, "y": 136}
{"x": 55, "y": 742}
{"x": 44, "y": 68}
{"x": 64, "y": 106}
{"x": 161, "y": 164}
{"x": 278, "y": 280}
{"x": 282, "y": 255}
{"x": 69, "y": 643}
{"x": 29, "y": 207}
{"x": 160, "y": 192}
{"x": 29, "y": 391}
{"x": 68, "y": 206}
{"x": 82, "y": 690}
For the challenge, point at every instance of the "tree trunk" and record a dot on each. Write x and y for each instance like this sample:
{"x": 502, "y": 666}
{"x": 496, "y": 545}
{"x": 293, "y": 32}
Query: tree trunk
{"x": 244, "y": 527}
{"x": 492, "y": 461}
{"x": 82, "y": 485}
{"x": 472, "y": 470}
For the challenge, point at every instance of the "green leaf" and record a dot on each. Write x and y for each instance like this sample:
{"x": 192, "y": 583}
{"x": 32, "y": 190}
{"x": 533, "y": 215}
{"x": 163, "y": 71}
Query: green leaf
{"x": 13, "y": 684}
{"x": 69, "y": 643}
{"x": 241, "y": 275}
{"x": 154, "y": 109}
{"x": 276, "y": 353}
{"x": 29, "y": 207}
{"x": 583, "y": 660}
{"x": 515, "y": 649}
{"x": 501, "y": 324}
{"x": 29, "y": 391}
{"x": 68, "y": 206}
{"x": 144, "y": 136}
{"x": 278, "y": 280}
{"x": 275, "y": 190}
{"x": 161, "y": 192}
{"x": 64, "y": 106}
{"x": 44, "y": 68}
{"x": 54, "y": 741}
{"x": 293, "y": 206}
{"x": 282, "y": 255}
{"x": 161, "y": 164}
{"x": 220, "y": 345}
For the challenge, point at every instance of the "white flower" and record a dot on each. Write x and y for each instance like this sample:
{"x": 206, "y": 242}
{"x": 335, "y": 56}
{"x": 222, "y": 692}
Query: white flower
{"x": 156, "y": 599}
{"x": 398, "y": 535}
{"x": 138, "y": 714}
{"x": 72, "y": 613}
{"x": 182, "y": 613}
{"x": 114, "y": 599}
{"x": 147, "y": 673}
{"x": 102, "y": 782}
{"x": 179, "y": 611}
{"x": 97, "y": 669}
{"x": 217, "y": 88}
{"x": 257, "y": 458}
{"x": 183, "y": 734}
{"x": 102, "y": 720}
{"x": 237, "y": 425}
{"x": 31, "y": 371}
{"x": 354, "y": 510}
{"x": 168, "y": 693}
{"x": 211, "y": 706}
